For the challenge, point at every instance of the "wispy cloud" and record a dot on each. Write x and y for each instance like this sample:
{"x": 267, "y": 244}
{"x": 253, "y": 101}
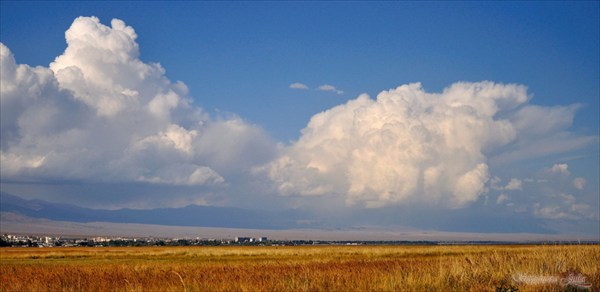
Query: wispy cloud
{"x": 502, "y": 198}
{"x": 514, "y": 184}
{"x": 298, "y": 85}
{"x": 327, "y": 87}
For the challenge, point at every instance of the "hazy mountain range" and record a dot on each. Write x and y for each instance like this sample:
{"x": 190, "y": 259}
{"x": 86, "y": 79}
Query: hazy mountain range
{"x": 43, "y": 217}
{"x": 192, "y": 215}
{"x": 231, "y": 217}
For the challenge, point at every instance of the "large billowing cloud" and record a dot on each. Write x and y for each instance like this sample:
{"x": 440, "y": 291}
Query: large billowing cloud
{"x": 410, "y": 146}
{"x": 99, "y": 113}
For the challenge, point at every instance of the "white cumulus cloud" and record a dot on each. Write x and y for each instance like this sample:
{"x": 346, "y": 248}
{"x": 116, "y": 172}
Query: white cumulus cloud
{"x": 561, "y": 168}
{"x": 579, "y": 183}
{"x": 99, "y": 113}
{"x": 409, "y": 146}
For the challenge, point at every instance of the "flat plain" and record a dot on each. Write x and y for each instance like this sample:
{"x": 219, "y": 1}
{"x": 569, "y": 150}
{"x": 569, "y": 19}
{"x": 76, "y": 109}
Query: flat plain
{"x": 300, "y": 268}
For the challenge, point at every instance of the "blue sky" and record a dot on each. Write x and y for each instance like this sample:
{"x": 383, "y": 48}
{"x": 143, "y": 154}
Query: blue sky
{"x": 238, "y": 60}
{"x": 224, "y": 51}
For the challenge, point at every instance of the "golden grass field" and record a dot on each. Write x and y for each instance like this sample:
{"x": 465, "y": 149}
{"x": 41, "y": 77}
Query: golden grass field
{"x": 299, "y": 268}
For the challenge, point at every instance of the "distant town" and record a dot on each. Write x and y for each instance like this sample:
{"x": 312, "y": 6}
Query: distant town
{"x": 104, "y": 241}
{"x": 52, "y": 241}
{"x": 15, "y": 240}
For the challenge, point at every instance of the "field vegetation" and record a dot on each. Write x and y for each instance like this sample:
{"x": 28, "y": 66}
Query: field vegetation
{"x": 296, "y": 268}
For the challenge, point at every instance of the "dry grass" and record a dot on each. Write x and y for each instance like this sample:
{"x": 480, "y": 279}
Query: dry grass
{"x": 307, "y": 268}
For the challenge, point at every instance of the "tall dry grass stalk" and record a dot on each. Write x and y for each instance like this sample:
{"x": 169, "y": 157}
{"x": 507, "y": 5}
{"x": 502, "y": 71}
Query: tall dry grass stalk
{"x": 305, "y": 268}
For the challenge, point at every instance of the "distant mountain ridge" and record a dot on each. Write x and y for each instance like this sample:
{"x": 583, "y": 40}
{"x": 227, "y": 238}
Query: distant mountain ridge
{"x": 229, "y": 217}
{"x": 192, "y": 215}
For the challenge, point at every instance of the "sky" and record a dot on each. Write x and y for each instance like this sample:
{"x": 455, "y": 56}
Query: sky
{"x": 455, "y": 116}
